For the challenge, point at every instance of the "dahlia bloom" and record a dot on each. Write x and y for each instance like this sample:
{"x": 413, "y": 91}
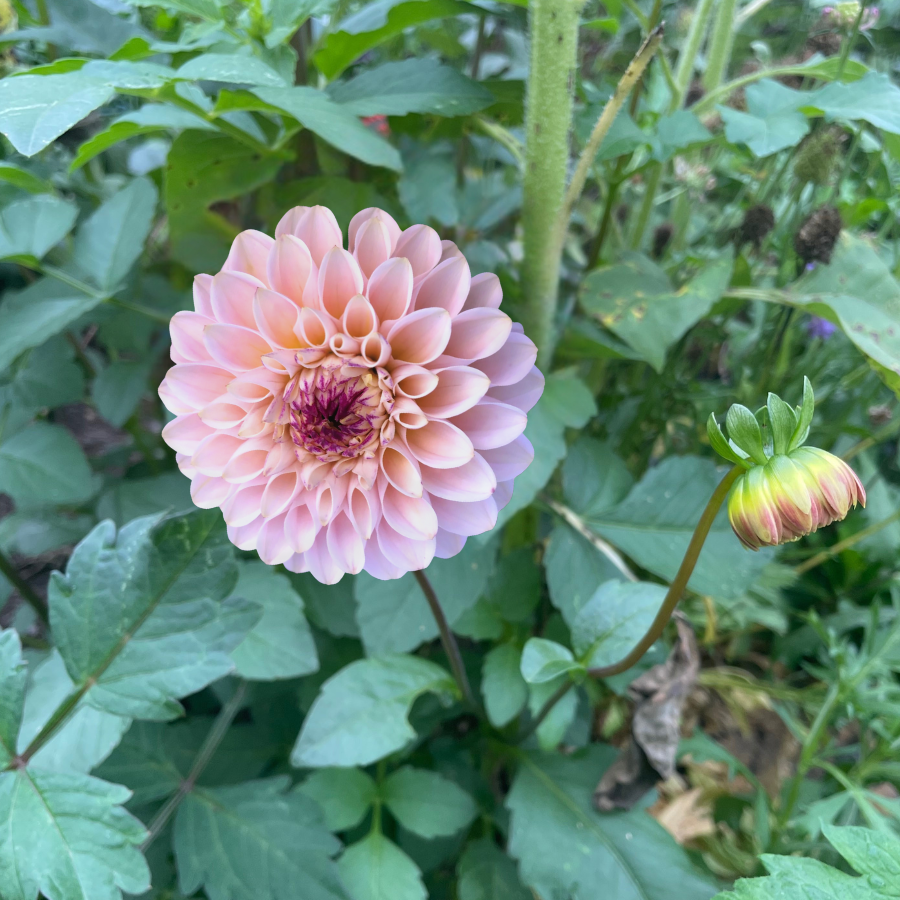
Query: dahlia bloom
{"x": 350, "y": 409}
{"x": 788, "y": 490}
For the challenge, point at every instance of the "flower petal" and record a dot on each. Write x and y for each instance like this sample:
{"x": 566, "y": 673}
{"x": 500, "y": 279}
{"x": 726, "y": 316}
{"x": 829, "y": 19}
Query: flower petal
{"x": 364, "y": 215}
{"x": 459, "y": 388}
{"x": 413, "y": 517}
{"x": 197, "y": 384}
{"x": 491, "y": 424}
{"x": 249, "y": 254}
{"x": 524, "y": 394}
{"x": 485, "y": 291}
{"x": 316, "y": 226}
{"x": 467, "y": 483}
{"x": 390, "y": 289}
{"x": 232, "y": 296}
{"x": 445, "y": 286}
{"x": 511, "y": 363}
{"x": 440, "y": 445}
{"x": 421, "y": 245}
{"x": 421, "y": 336}
{"x": 339, "y": 280}
{"x": 236, "y": 348}
{"x": 290, "y": 268}
{"x": 466, "y": 519}
{"x": 478, "y": 333}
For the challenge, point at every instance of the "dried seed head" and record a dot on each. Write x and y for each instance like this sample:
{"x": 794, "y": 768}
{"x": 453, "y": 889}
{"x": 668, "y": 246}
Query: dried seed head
{"x": 758, "y": 221}
{"x": 816, "y": 239}
{"x": 661, "y": 237}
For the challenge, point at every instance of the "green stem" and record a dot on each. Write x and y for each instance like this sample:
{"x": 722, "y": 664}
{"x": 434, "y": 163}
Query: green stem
{"x": 851, "y": 39}
{"x": 218, "y": 731}
{"x": 26, "y": 592}
{"x": 676, "y": 588}
{"x": 646, "y": 210}
{"x": 687, "y": 57}
{"x": 548, "y": 121}
{"x": 720, "y": 45}
{"x": 448, "y": 640}
{"x": 545, "y": 711}
{"x": 840, "y": 546}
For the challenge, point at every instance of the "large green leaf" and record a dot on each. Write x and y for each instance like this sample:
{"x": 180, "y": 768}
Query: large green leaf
{"x": 362, "y": 712}
{"x": 110, "y": 241}
{"x": 594, "y": 477}
{"x": 635, "y": 301}
{"x": 232, "y": 68}
{"x": 566, "y": 848}
{"x": 485, "y": 872}
{"x": 502, "y": 686}
{"x": 874, "y": 99}
{"x": 255, "y": 841}
{"x": 280, "y": 645}
{"x": 773, "y": 119}
{"x": 117, "y": 389}
{"x": 30, "y": 228}
{"x": 426, "y": 803}
{"x": 139, "y": 617}
{"x": 13, "y": 675}
{"x": 344, "y": 795}
{"x": 67, "y": 837}
{"x": 333, "y": 123}
{"x": 377, "y": 869}
{"x": 374, "y": 23}
{"x": 654, "y": 523}
{"x": 43, "y": 465}
{"x": 411, "y": 86}
{"x": 43, "y": 309}
{"x": 394, "y": 616}
{"x": 23, "y": 178}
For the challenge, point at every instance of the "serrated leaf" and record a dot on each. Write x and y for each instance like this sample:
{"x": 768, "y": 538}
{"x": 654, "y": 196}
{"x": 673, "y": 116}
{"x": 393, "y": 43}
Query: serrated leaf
{"x": 67, "y": 837}
{"x": 43, "y": 465}
{"x": 30, "y": 228}
{"x": 485, "y": 872}
{"x": 426, "y": 803}
{"x": 377, "y": 869}
{"x": 13, "y": 675}
{"x": 139, "y": 617}
{"x": 344, "y": 795}
{"x": 362, "y": 712}
{"x": 504, "y": 690}
{"x": 566, "y": 848}
{"x": 255, "y": 841}
{"x": 280, "y": 645}
{"x": 544, "y": 660}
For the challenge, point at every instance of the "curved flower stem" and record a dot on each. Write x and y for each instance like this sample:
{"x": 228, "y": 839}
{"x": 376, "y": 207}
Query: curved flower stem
{"x": 451, "y": 648}
{"x": 676, "y": 588}
{"x": 204, "y": 755}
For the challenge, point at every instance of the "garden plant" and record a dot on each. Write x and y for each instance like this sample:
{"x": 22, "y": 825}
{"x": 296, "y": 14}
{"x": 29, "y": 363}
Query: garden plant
{"x": 449, "y": 448}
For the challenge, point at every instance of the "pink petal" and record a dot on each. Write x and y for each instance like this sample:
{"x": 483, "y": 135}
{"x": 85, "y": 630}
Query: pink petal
{"x": 197, "y": 384}
{"x": 421, "y": 336}
{"x": 272, "y": 543}
{"x": 485, "y": 291}
{"x": 208, "y": 492}
{"x": 248, "y": 461}
{"x": 406, "y": 412}
{"x": 403, "y": 552}
{"x": 364, "y": 215}
{"x": 222, "y": 415}
{"x": 478, "y": 333}
{"x": 512, "y": 460}
{"x": 275, "y": 316}
{"x": 467, "y": 483}
{"x": 414, "y": 381}
{"x": 377, "y": 564}
{"x": 375, "y": 350}
{"x": 445, "y": 286}
{"x": 290, "y": 268}
{"x": 511, "y": 363}
{"x": 185, "y": 433}
{"x": 345, "y": 545}
{"x": 202, "y": 301}
{"x": 390, "y": 289}
{"x": 400, "y": 471}
{"x": 374, "y": 243}
{"x": 421, "y": 245}
{"x": 524, "y": 394}
{"x": 301, "y": 527}
{"x": 339, "y": 280}
{"x": 359, "y": 319}
{"x": 504, "y": 493}
{"x": 236, "y": 348}
{"x": 278, "y": 494}
{"x": 440, "y": 445}
{"x": 316, "y": 226}
{"x": 321, "y": 563}
{"x": 174, "y": 404}
{"x": 412, "y": 517}
{"x": 459, "y": 388}
{"x": 186, "y": 329}
{"x": 466, "y": 519}
{"x": 214, "y": 453}
{"x": 315, "y": 328}
{"x": 242, "y": 507}
{"x": 232, "y": 296}
{"x": 364, "y": 510}
{"x": 448, "y": 545}
{"x": 249, "y": 253}
{"x": 491, "y": 424}
{"x": 244, "y": 538}
{"x": 448, "y": 251}
{"x": 256, "y": 384}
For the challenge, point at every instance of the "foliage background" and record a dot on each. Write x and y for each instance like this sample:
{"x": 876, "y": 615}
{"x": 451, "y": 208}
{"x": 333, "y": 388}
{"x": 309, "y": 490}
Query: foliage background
{"x": 282, "y": 739}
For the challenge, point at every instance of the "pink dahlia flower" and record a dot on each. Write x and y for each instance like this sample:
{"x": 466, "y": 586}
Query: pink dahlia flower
{"x": 350, "y": 409}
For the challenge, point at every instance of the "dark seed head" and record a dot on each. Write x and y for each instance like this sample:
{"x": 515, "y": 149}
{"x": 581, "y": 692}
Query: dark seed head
{"x": 816, "y": 239}
{"x": 758, "y": 221}
{"x": 661, "y": 237}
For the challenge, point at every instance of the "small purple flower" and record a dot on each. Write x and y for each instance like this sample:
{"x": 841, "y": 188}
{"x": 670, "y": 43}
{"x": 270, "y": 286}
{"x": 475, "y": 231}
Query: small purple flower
{"x": 818, "y": 327}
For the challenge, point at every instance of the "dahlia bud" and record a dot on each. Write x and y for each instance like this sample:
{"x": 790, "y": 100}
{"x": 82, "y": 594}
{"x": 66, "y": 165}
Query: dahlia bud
{"x": 788, "y": 490}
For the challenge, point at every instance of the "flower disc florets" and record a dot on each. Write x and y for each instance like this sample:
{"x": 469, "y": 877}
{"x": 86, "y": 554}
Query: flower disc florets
{"x": 788, "y": 490}
{"x": 350, "y": 409}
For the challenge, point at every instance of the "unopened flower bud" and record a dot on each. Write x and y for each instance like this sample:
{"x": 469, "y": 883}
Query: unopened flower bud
{"x": 788, "y": 490}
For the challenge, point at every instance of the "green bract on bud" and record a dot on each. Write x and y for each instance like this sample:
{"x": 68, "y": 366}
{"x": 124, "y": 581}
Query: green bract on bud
{"x": 788, "y": 490}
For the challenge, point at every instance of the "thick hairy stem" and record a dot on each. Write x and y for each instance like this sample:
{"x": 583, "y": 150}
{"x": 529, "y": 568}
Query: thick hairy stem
{"x": 448, "y": 640}
{"x": 548, "y": 121}
{"x": 720, "y": 45}
{"x": 218, "y": 731}
{"x": 676, "y": 588}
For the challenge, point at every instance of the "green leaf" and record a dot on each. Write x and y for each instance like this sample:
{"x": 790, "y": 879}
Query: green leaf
{"x": 553, "y": 729}
{"x": 361, "y": 714}
{"x": 31, "y": 316}
{"x": 88, "y": 735}
{"x": 232, "y": 68}
{"x": 566, "y": 848}
{"x": 377, "y": 869}
{"x": 744, "y": 430}
{"x": 426, "y": 803}
{"x": 373, "y": 24}
{"x": 874, "y": 99}
{"x": 676, "y": 132}
{"x": 43, "y": 465}
{"x": 138, "y": 619}
{"x": 411, "y": 86}
{"x": 544, "y": 660}
{"x": 30, "y": 228}
{"x": 624, "y": 136}
{"x": 773, "y": 119}
{"x": 654, "y": 523}
{"x": 872, "y": 853}
{"x": 805, "y": 413}
{"x": 612, "y": 622}
{"x": 37, "y": 109}
{"x": 394, "y": 616}
{"x": 333, "y": 123}
{"x": 485, "y": 872}
{"x": 110, "y": 241}
{"x": 280, "y": 645}
{"x": 783, "y": 421}
{"x": 255, "y": 841}
{"x": 635, "y": 301}
{"x": 427, "y": 187}
{"x": 13, "y": 675}
{"x": 67, "y": 837}
{"x": 330, "y": 607}
{"x": 118, "y": 389}
{"x": 594, "y": 477}
{"x": 129, "y": 499}
{"x": 345, "y": 795}
{"x": 502, "y": 686}
{"x": 22, "y": 178}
